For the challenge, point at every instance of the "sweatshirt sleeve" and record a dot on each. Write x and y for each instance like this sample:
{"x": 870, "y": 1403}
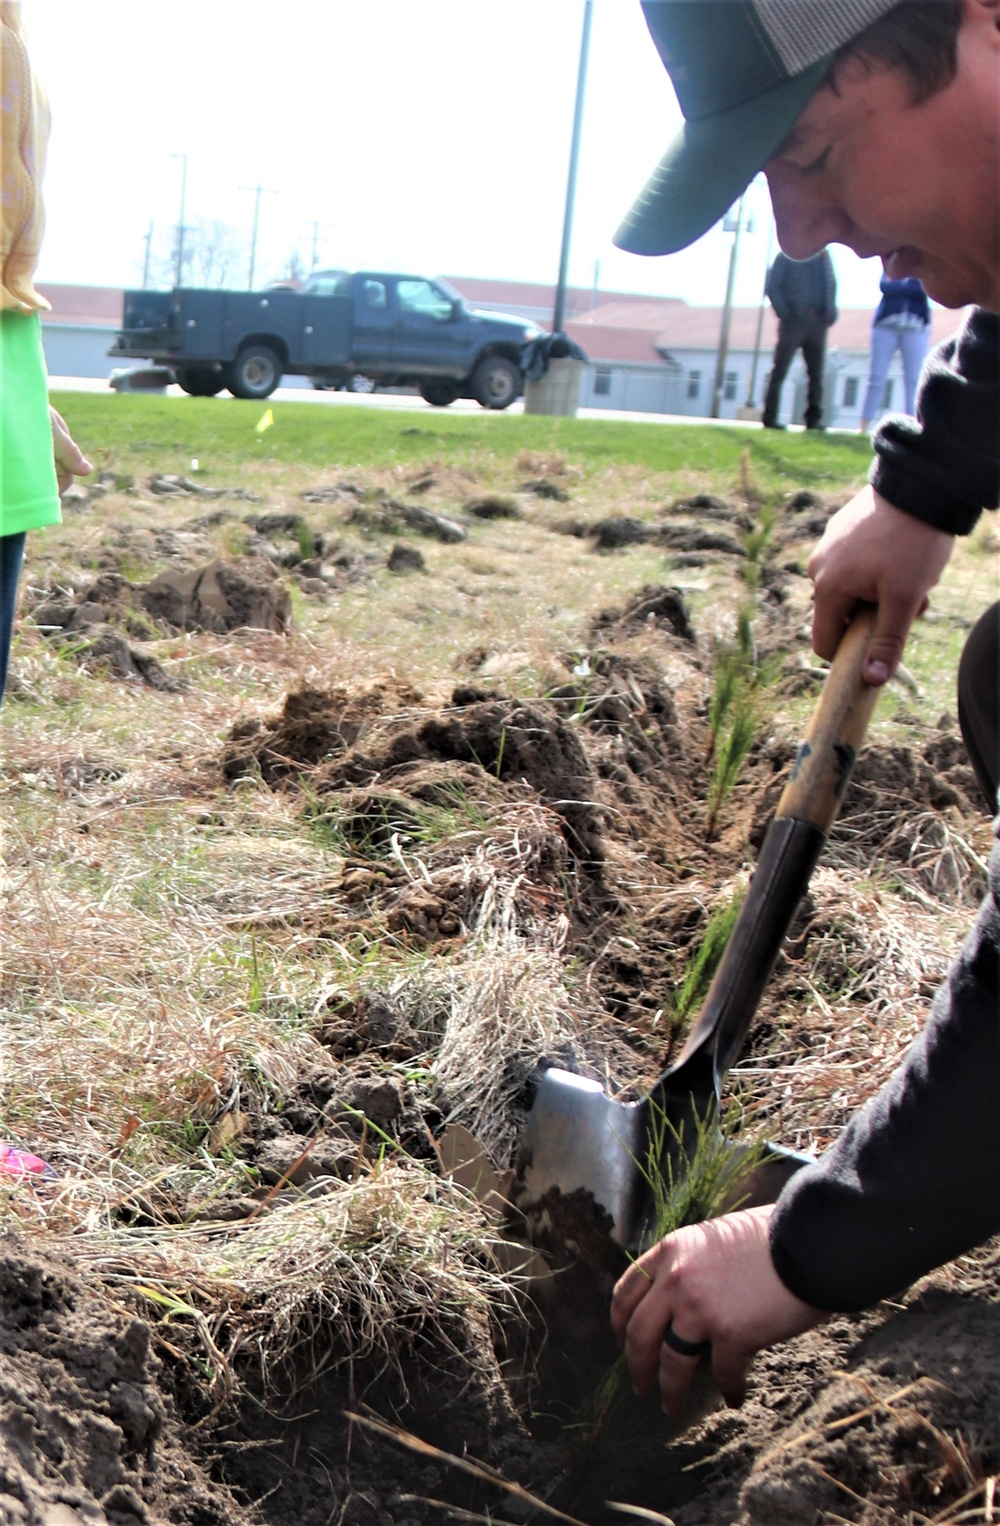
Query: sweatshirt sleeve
{"x": 944, "y": 466}
{"x": 914, "y": 1179}
{"x": 829, "y": 290}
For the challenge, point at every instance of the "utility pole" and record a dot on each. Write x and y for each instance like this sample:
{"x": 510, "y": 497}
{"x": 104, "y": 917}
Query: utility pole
{"x": 727, "y": 313}
{"x": 315, "y": 225}
{"x": 559, "y": 313}
{"x": 145, "y": 264}
{"x": 179, "y": 271}
{"x": 258, "y": 191}
{"x": 752, "y": 389}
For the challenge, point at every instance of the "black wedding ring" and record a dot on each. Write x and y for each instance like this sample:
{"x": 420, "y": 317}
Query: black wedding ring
{"x": 681, "y": 1346}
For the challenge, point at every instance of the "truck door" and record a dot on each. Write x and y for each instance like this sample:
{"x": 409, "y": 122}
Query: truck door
{"x": 373, "y": 325}
{"x": 326, "y": 329}
{"x": 432, "y": 337}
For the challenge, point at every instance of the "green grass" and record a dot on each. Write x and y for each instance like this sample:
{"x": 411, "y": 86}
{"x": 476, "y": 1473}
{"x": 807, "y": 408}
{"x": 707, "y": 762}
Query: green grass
{"x": 136, "y": 433}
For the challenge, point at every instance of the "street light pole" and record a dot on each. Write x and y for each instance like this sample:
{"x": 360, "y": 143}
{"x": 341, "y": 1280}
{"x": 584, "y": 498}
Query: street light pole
{"x": 179, "y": 272}
{"x": 145, "y": 263}
{"x": 316, "y": 225}
{"x": 727, "y": 313}
{"x": 559, "y": 313}
{"x": 752, "y": 389}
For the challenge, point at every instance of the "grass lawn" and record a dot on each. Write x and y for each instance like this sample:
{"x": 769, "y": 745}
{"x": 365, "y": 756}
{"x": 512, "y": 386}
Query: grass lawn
{"x": 221, "y": 434}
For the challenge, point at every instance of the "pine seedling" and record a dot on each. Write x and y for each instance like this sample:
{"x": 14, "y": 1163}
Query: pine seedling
{"x": 723, "y": 693}
{"x": 738, "y": 741}
{"x": 701, "y": 968}
{"x": 686, "y": 1189}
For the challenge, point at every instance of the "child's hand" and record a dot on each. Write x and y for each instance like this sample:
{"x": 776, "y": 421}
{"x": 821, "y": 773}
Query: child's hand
{"x": 70, "y": 460}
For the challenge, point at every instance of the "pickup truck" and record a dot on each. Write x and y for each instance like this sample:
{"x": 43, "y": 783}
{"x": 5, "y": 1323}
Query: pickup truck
{"x": 397, "y": 330}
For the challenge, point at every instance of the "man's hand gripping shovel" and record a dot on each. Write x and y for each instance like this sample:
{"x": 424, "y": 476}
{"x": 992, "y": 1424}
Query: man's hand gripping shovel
{"x": 579, "y": 1143}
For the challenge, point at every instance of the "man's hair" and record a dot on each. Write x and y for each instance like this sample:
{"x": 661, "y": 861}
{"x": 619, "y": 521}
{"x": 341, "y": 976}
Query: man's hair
{"x": 917, "y": 37}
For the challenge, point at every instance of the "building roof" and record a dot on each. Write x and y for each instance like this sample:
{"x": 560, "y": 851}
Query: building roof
{"x": 97, "y": 305}
{"x": 644, "y": 331}
{"x": 529, "y": 294}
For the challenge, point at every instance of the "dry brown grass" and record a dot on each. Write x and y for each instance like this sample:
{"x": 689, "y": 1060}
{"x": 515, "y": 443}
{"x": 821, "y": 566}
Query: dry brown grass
{"x": 168, "y": 943}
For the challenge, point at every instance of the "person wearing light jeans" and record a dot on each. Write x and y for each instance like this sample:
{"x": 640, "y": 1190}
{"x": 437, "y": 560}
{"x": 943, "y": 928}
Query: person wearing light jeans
{"x": 902, "y": 322}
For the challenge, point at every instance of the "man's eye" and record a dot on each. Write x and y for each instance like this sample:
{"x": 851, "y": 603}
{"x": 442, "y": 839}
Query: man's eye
{"x": 817, "y": 165}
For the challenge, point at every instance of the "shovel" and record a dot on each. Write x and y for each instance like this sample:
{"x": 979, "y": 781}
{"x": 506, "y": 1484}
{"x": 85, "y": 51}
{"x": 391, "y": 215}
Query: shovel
{"x": 579, "y": 1142}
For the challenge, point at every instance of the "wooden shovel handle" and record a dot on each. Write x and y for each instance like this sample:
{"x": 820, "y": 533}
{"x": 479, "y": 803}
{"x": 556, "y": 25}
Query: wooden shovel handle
{"x": 823, "y": 765}
{"x": 794, "y": 841}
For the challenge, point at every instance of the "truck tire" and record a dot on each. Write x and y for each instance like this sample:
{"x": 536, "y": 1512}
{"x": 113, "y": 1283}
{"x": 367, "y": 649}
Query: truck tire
{"x": 199, "y": 381}
{"x": 440, "y": 394}
{"x": 255, "y": 372}
{"x": 496, "y": 382}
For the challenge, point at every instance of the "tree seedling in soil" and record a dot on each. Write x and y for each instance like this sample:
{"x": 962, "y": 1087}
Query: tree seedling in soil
{"x": 707, "y": 1184}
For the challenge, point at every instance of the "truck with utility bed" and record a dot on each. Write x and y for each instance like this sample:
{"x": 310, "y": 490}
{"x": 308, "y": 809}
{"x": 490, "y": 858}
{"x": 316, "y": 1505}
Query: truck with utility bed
{"x": 398, "y": 330}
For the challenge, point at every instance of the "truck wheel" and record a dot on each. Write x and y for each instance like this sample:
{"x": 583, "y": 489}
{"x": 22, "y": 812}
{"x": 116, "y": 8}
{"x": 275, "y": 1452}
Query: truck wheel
{"x": 496, "y": 382}
{"x": 255, "y": 372}
{"x": 199, "y": 381}
{"x": 439, "y": 393}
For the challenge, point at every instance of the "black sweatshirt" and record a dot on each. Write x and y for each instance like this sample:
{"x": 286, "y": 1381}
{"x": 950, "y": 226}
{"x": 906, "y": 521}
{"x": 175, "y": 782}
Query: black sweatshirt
{"x": 915, "y": 1177}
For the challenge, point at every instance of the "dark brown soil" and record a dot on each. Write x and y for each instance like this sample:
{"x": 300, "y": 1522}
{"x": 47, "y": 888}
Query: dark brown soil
{"x": 879, "y": 1419}
{"x": 88, "y": 1432}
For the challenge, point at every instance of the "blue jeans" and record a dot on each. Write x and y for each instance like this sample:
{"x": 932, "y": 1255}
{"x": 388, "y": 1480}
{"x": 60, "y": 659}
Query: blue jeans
{"x": 912, "y": 345}
{"x": 11, "y": 554}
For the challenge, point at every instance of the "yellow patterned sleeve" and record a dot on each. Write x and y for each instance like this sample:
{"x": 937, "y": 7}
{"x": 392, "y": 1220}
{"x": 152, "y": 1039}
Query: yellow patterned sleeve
{"x": 24, "y": 130}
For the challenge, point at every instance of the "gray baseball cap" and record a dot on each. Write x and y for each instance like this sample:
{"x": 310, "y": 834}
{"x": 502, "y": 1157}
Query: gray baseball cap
{"x": 743, "y": 70}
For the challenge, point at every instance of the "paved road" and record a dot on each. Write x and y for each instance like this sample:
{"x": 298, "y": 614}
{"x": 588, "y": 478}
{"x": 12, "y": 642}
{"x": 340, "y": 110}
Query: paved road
{"x": 404, "y": 402}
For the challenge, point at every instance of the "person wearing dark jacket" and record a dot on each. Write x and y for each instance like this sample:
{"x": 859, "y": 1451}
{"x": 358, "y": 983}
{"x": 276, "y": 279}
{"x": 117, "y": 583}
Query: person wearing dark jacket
{"x": 837, "y": 103}
{"x": 803, "y": 294}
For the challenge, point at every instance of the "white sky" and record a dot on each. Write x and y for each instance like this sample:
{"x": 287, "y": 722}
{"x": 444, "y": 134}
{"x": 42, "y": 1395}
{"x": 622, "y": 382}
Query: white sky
{"x": 426, "y": 135}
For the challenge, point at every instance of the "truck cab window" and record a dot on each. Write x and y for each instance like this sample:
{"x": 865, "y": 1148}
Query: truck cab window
{"x": 425, "y": 299}
{"x": 375, "y": 296}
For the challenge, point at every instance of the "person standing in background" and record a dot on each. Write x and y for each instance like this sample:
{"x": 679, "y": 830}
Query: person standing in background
{"x": 902, "y": 321}
{"x": 803, "y": 294}
{"x": 38, "y": 456}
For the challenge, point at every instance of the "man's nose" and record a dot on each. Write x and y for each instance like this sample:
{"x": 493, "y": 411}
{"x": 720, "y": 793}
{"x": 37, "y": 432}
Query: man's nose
{"x": 805, "y": 216}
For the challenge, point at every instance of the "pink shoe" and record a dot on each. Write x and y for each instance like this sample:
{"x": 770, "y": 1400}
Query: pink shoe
{"x": 20, "y": 1163}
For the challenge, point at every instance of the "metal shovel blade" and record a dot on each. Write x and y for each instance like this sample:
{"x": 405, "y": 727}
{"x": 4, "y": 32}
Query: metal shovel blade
{"x": 578, "y": 1139}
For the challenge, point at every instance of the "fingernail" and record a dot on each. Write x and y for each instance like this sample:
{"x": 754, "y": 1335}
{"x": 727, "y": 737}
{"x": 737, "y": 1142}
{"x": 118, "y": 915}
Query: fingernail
{"x": 878, "y": 672}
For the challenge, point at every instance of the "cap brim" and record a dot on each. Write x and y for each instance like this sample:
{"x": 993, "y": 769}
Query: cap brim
{"x": 710, "y": 164}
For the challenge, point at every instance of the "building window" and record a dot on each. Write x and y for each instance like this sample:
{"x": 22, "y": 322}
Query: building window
{"x": 602, "y": 383}
{"x": 694, "y": 384}
{"x": 850, "y": 392}
{"x": 729, "y": 391}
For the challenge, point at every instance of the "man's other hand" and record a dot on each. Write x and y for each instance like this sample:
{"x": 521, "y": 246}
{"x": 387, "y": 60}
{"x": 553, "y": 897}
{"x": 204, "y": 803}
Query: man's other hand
{"x": 872, "y": 551}
{"x": 711, "y": 1282}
